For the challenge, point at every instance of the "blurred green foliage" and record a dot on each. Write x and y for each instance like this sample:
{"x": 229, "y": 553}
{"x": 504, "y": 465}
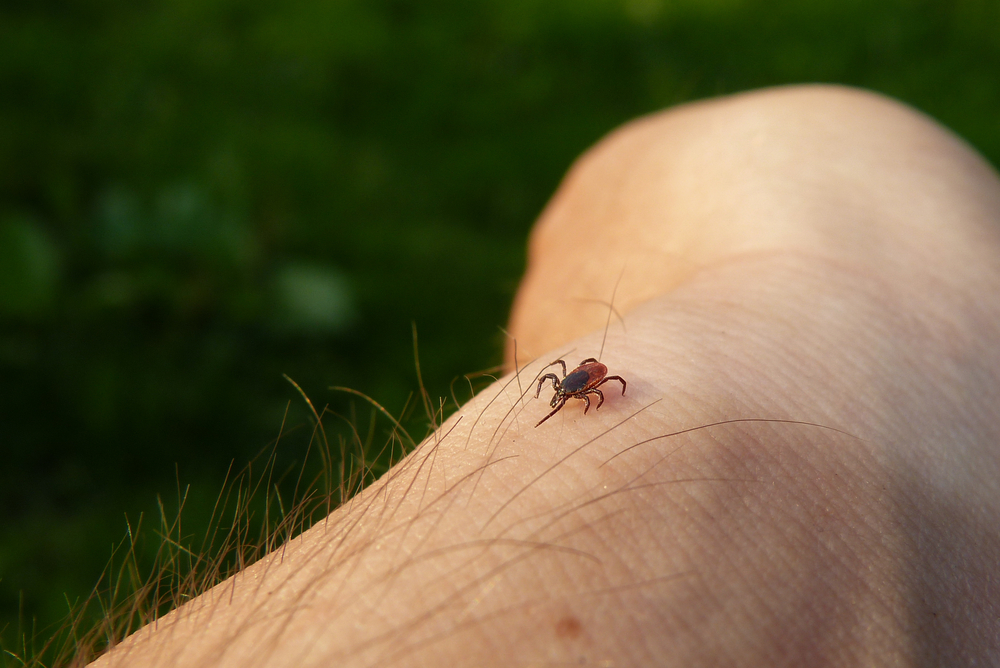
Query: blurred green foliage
{"x": 197, "y": 196}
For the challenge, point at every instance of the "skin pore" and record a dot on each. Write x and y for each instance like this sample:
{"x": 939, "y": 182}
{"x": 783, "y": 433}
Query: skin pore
{"x": 799, "y": 255}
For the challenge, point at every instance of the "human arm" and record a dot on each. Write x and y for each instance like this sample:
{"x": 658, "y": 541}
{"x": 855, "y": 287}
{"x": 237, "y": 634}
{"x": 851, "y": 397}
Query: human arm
{"x": 797, "y": 255}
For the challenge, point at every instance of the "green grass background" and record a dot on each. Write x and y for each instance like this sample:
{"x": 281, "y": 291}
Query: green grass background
{"x": 197, "y": 196}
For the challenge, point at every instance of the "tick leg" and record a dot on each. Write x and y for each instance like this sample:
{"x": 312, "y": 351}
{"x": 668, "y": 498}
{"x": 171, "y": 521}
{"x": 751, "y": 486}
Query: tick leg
{"x": 549, "y": 376}
{"x": 560, "y": 363}
{"x": 589, "y": 359}
{"x": 586, "y": 400}
{"x": 600, "y": 394}
{"x": 562, "y": 402}
{"x": 618, "y": 378}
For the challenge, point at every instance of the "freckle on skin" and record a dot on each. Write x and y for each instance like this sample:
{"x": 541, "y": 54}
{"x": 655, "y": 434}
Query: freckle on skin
{"x": 568, "y": 627}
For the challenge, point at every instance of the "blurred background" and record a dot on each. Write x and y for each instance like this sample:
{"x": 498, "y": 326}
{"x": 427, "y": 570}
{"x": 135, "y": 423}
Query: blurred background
{"x": 198, "y": 196}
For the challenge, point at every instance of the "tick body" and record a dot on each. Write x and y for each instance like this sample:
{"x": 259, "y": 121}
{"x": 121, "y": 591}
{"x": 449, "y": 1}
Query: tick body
{"x": 578, "y": 383}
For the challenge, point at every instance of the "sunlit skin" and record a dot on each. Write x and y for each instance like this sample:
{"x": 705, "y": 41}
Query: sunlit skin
{"x": 808, "y": 253}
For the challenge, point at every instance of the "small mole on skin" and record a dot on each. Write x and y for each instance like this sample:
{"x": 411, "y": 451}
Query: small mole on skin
{"x": 568, "y": 627}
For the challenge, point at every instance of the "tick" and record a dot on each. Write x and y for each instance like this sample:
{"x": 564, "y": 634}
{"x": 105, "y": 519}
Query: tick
{"x": 581, "y": 381}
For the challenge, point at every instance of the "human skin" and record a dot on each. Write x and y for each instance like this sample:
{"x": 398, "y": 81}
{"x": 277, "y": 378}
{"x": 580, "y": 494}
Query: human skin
{"x": 801, "y": 255}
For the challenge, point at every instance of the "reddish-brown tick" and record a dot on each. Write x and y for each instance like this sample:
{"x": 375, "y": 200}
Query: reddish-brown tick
{"x": 581, "y": 381}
